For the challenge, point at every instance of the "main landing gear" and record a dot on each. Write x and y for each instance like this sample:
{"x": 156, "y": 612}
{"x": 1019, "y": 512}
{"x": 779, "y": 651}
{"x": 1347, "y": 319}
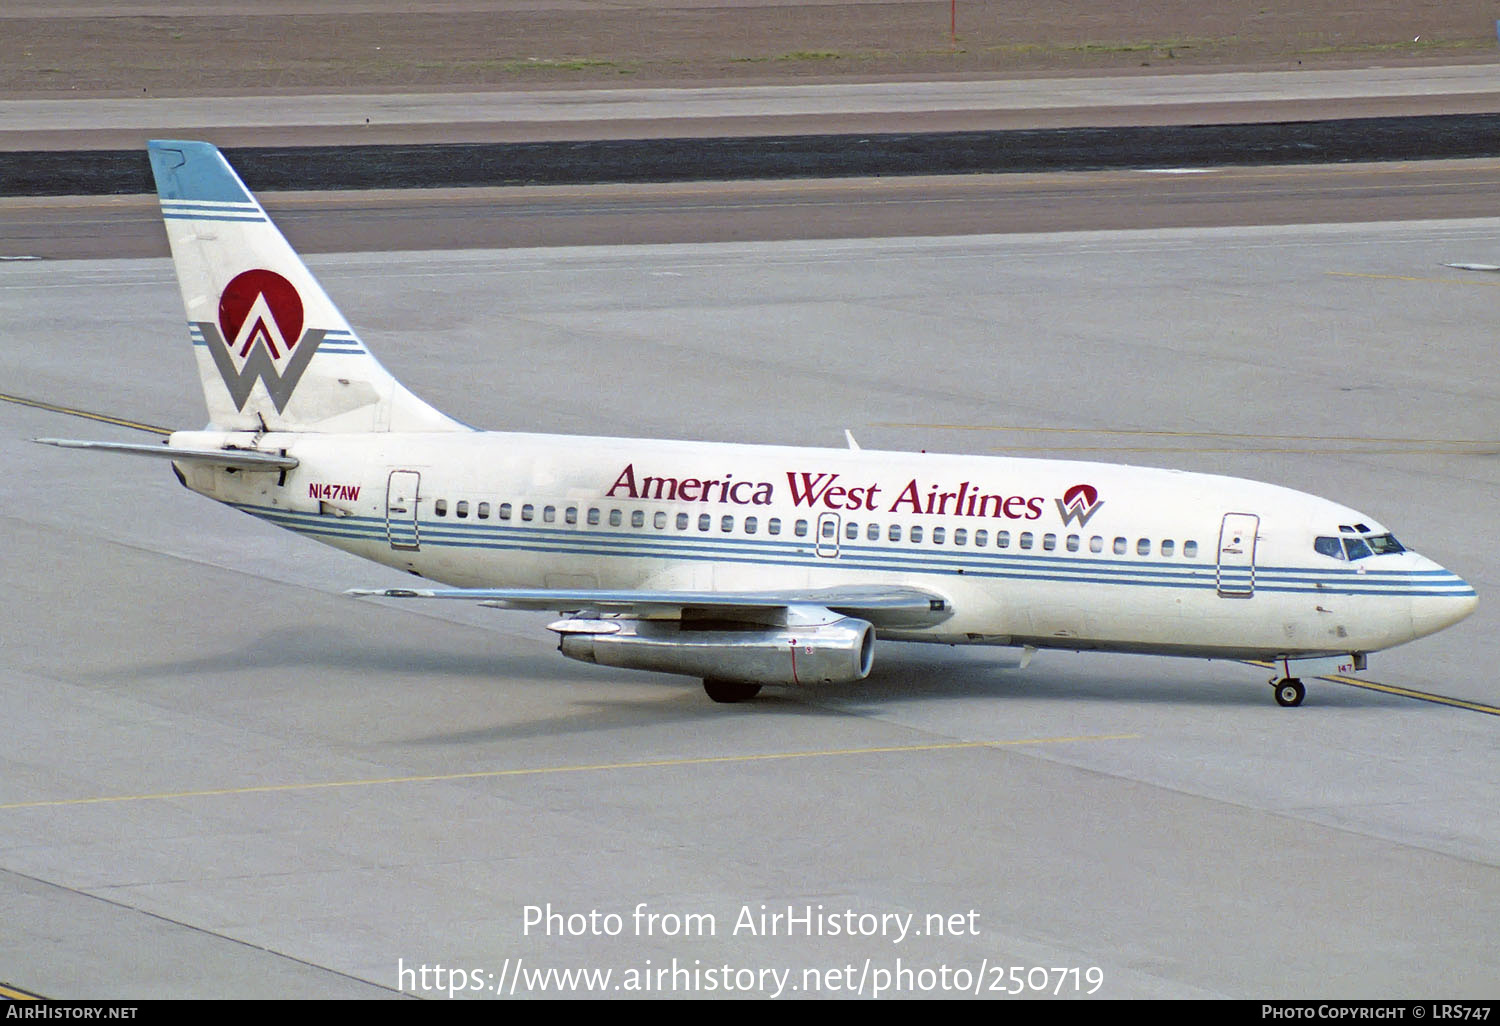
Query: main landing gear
{"x": 1289, "y": 691}
{"x": 730, "y": 690}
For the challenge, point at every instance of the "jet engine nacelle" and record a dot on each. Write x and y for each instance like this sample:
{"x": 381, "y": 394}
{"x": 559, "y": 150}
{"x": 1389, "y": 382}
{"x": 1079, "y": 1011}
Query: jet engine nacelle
{"x": 836, "y": 652}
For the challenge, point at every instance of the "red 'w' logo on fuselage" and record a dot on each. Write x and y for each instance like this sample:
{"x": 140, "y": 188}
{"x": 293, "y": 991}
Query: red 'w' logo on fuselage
{"x": 1079, "y": 503}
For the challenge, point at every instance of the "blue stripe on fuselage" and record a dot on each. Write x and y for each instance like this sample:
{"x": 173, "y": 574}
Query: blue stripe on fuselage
{"x": 585, "y": 541}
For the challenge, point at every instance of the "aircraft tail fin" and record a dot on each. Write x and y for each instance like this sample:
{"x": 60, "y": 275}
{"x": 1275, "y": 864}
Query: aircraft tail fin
{"x": 274, "y": 353}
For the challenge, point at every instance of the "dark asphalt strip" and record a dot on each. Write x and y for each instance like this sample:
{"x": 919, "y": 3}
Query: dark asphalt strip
{"x": 114, "y": 172}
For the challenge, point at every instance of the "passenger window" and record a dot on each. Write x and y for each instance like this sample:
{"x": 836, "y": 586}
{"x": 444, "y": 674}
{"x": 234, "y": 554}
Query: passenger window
{"x": 570, "y": 515}
{"x": 705, "y": 521}
{"x": 549, "y": 513}
{"x": 938, "y": 534}
{"x": 593, "y": 517}
{"x": 872, "y": 532}
{"x": 1190, "y": 549}
{"x": 851, "y": 531}
{"x": 440, "y": 507}
{"x": 638, "y": 518}
{"x": 916, "y": 534}
{"x": 751, "y": 523}
{"x": 659, "y": 520}
{"x": 1073, "y": 542}
{"x": 1025, "y": 539}
{"x": 528, "y": 511}
{"x": 1002, "y": 539}
{"x": 830, "y": 529}
{"x": 504, "y": 511}
{"x": 1329, "y": 547}
{"x": 1120, "y": 545}
{"x": 981, "y": 539}
{"x": 1049, "y": 542}
{"x": 894, "y": 534}
{"x": 960, "y": 536}
{"x": 800, "y": 529}
{"x": 462, "y": 509}
{"x": 726, "y": 524}
{"x": 1096, "y": 544}
{"x": 1143, "y": 547}
{"x": 614, "y": 518}
{"x": 484, "y": 511}
{"x": 773, "y": 526}
{"x": 1168, "y": 547}
{"x": 682, "y": 521}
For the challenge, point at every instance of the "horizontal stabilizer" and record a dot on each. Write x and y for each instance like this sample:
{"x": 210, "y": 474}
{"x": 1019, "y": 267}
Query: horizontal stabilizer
{"x": 240, "y": 459}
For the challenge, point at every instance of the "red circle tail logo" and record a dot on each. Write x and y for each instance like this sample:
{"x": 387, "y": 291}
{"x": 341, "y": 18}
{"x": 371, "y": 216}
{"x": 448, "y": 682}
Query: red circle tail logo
{"x": 262, "y": 306}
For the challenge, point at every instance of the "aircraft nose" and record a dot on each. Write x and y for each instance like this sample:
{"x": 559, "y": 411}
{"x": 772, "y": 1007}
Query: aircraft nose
{"x": 1442, "y": 599}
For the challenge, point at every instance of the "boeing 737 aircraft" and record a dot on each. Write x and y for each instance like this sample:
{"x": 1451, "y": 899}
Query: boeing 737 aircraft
{"x": 746, "y": 565}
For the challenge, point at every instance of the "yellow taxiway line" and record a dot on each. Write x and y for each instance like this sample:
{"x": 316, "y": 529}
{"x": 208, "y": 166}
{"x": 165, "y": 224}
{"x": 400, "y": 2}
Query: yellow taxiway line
{"x": 1411, "y": 277}
{"x": 71, "y": 411}
{"x": 1400, "y": 692}
{"x": 1328, "y": 445}
{"x": 1421, "y": 696}
{"x": 542, "y": 770}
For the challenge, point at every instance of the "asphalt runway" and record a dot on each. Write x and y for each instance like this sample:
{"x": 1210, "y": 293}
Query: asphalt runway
{"x": 221, "y": 777}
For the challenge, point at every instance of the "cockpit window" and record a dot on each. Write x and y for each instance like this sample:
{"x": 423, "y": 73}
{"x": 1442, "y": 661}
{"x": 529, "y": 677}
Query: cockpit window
{"x": 1358, "y": 548}
{"x": 1329, "y": 547}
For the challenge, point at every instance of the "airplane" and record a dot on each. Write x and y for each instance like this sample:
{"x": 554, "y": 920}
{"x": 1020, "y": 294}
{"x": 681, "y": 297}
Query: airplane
{"x": 746, "y": 565}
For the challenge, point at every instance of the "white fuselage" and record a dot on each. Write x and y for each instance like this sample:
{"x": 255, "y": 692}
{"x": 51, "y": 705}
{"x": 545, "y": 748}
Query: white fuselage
{"x": 1139, "y": 559}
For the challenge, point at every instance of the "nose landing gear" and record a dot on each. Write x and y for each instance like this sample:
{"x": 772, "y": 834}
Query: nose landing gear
{"x": 1289, "y": 691}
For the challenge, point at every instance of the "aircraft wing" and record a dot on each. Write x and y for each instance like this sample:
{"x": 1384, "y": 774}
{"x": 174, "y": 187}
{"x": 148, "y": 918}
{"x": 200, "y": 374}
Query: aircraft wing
{"x": 885, "y": 607}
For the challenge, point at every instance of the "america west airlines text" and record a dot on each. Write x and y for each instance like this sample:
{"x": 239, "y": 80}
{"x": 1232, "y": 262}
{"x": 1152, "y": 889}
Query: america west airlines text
{"x": 829, "y": 491}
